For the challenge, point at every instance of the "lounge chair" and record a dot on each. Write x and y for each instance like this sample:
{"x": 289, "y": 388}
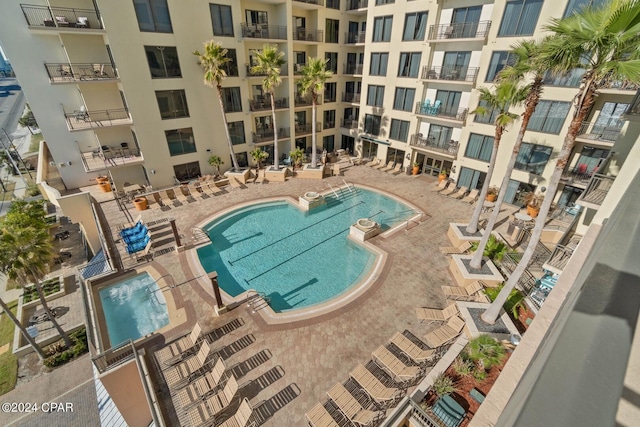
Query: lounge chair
{"x": 389, "y": 167}
{"x": 233, "y": 181}
{"x": 460, "y": 293}
{"x": 183, "y": 195}
{"x": 397, "y": 169}
{"x": 472, "y": 196}
{"x": 445, "y": 333}
{"x": 435, "y": 315}
{"x": 373, "y": 162}
{"x": 241, "y": 417}
{"x": 178, "y": 350}
{"x": 201, "y": 387}
{"x": 166, "y": 199}
{"x": 196, "y": 191}
{"x": 382, "y": 165}
{"x": 319, "y": 416}
{"x": 213, "y": 405}
{"x": 394, "y": 366}
{"x": 159, "y": 200}
{"x": 350, "y": 407}
{"x": 180, "y": 375}
{"x": 410, "y": 349}
{"x": 214, "y": 189}
{"x": 440, "y": 185}
{"x": 449, "y": 190}
{"x": 373, "y": 386}
{"x": 448, "y": 250}
{"x": 460, "y": 194}
{"x": 260, "y": 177}
{"x": 448, "y": 411}
{"x": 335, "y": 170}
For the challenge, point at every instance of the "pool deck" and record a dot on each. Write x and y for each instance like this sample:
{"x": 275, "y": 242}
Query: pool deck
{"x": 317, "y": 353}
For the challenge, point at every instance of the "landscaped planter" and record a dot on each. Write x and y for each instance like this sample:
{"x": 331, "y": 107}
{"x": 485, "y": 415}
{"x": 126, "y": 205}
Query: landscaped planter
{"x": 35, "y": 299}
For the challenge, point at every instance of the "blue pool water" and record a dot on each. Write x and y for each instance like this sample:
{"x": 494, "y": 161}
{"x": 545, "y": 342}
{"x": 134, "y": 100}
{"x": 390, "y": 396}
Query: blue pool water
{"x": 133, "y": 308}
{"x": 296, "y": 258}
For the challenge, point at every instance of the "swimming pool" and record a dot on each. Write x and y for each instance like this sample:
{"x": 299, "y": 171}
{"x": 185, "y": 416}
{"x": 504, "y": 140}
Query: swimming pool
{"x": 296, "y": 258}
{"x": 133, "y": 308}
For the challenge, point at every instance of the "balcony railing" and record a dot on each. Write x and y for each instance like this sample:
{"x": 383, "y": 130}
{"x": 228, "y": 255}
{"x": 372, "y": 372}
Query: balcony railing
{"x": 357, "y": 37}
{"x": 250, "y": 73}
{"x": 620, "y": 85}
{"x": 61, "y": 17}
{"x": 110, "y": 156}
{"x": 308, "y": 35}
{"x": 329, "y": 125}
{"x": 306, "y": 128}
{"x": 297, "y": 69}
{"x": 460, "y": 74}
{"x": 424, "y": 109}
{"x": 559, "y": 258}
{"x": 353, "y": 68}
{"x": 597, "y": 189}
{"x": 98, "y": 118}
{"x": 608, "y": 133}
{"x": 306, "y": 101}
{"x": 357, "y": 4}
{"x": 352, "y": 97}
{"x": 431, "y": 144}
{"x": 264, "y": 104}
{"x": 316, "y": 2}
{"x": 263, "y": 31}
{"x": 267, "y": 135}
{"x": 63, "y": 72}
{"x": 349, "y": 123}
{"x": 461, "y": 30}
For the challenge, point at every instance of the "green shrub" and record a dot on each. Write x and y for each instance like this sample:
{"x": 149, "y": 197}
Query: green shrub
{"x": 463, "y": 367}
{"x": 494, "y": 250}
{"x": 443, "y": 385}
{"x": 514, "y": 302}
{"x": 79, "y": 338}
{"x": 485, "y": 351}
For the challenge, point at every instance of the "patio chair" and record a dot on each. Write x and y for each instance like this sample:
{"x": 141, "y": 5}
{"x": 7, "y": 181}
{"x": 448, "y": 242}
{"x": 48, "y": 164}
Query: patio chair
{"x": 411, "y": 350}
{"x": 373, "y": 162}
{"x": 183, "y": 198}
{"x": 394, "y": 366}
{"x": 196, "y": 191}
{"x": 373, "y": 386}
{"x": 389, "y": 167}
{"x": 472, "y": 196}
{"x": 335, "y": 170}
{"x": 350, "y": 407}
{"x": 162, "y": 200}
{"x": 382, "y": 165}
{"x": 445, "y": 333}
{"x": 435, "y": 315}
{"x": 396, "y": 170}
{"x": 181, "y": 374}
{"x": 139, "y": 245}
{"x": 319, "y": 416}
{"x": 241, "y": 417}
{"x": 131, "y": 239}
{"x": 463, "y": 248}
{"x": 460, "y": 194}
{"x": 178, "y": 350}
{"x": 213, "y": 405}
{"x": 449, "y": 411}
{"x": 169, "y": 198}
{"x": 202, "y": 387}
{"x": 260, "y": 178}
{"x": 449, "y": 190}
{"x": 460, "y": 293}
{"x": 440, "y": 185}
{"x": 234, "y": 182}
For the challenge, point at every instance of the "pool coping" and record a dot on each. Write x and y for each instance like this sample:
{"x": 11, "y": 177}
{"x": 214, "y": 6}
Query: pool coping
{"x": 332, "y": 305}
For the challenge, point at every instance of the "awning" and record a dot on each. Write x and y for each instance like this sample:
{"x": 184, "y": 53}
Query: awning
{"x": 377, "y": 141}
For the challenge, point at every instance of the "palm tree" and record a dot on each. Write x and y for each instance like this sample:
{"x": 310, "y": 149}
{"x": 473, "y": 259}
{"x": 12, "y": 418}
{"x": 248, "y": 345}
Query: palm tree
{"x": 506, "y": 94}
{"x": 314, "y": 76}
{"x": 25, "y": 334}
{"x": 602, "y": 41}
{"x": 527, "y": 61}
{"x": 269, "y": 61}
{"x": 25, "y": 254}
{"x": 213, "y": 61}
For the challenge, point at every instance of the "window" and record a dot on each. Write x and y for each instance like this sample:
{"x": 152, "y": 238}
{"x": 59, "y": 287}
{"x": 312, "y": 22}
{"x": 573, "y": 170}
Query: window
{"x": 332, "y": 28}
{"x": 372, "y": 124}
{"x": 172, "y": 104}
{"x": 231, "y": 67}
{"x": 520, "y": 18}
{"x": 375, "y": 95}
{"x": 231, "y": 99}
{"x": 330, "y": 92}
{"x": 415, "y": 26}
{"x": 549, "y": 116}
{"x": 533, "y": 158}
{"x": 610, "y": 117}
{"x": 570, "y": 79}
{"x": 153, "y": 15}
{"x": 236, "y": 132}
{"x": 499, "y": 60}
{"x": 471, "y": 178}
{"x": 333, "y": 4}
{"x": 488, "y": 118}
{"x": 440, "y": 136}
{"x": 577, "y": 5}
{"x": 479, "y": 147}
{"x": 332, "y": 64}
{"x": 221, "y": 20}
{"x": 187, "y": 171}
{"x": 255, "y": 17}
{"x": 399, "y": 130}
{"x": 329, "y": 142}
{"x": 409, "y": 64}
{"x": 465, "y": 22}
{"x": 403, "y": 100}
{"x": 382, "y": 2}
{"x": 382, "y": 28}
{"x": 242, "y": 158}
{"x": 379, "y": 64}
{"x": 449, "y": 102}
{"x": 180, "y": 141}
{"x": 163, "y": 61}
{"x": 329, "y": 119}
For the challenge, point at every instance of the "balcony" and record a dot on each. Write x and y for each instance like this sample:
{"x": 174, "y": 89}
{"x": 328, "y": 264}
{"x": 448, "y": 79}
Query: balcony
{"x": 303, "y": 34}
{"x": 250, "y": 73}
{"x": 597, "y": 189}
{"x": 110, "y": 156}
{"x": 578, "y": 176}
{"x": 306, "y": 101}
{"x": 619, "y": 85}
{"x": 329, "y": 125}
{"x": 351, "y": 97}
{"x": 81, "y": 120}
{"x": 306, "y": 129}
{"x": 603, "y": 133}
{"x": 61, "y": 17}
{"x": 430, "y": 144}
{"x": 461, "y": 30}
{"x": 267, "y": 135}
{"x": 430, "y": 110}
{"x": 355, "y": 38}
{"x": 349, "y": 123}
{"x": 264, "y": 104}
{"x": 297, "y": 69}
{"x": 558, "y": 259}
{"x": 263, "y": 31}
{"x": 453, "y": 74}
{"x": 70, "y": 73}
{"x": 310, "y": 2}
{"x": 356, "y": 5}
{"x": 353, "y": 69}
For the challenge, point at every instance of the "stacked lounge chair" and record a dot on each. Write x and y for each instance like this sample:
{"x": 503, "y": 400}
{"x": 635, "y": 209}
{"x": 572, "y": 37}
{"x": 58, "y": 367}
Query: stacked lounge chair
{"x": 181, "y": 374}
{"x": 445, "y": 333}
{"x": 436, "y": 315}
{"x": 394, "y": 366}
{"x": 319, "y": 416}
{"x": 213, "y": 405}
{"x": 411, "y": 349}
{"x": 202, "y": 387}
{"x": 466, "y": 293}
{"x": 373, "y": 386}
{"x": 460, "y": 193}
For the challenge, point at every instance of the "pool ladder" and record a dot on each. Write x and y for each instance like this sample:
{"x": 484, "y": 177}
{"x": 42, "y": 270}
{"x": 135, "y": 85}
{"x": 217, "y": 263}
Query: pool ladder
{"x": 257, "y": 300}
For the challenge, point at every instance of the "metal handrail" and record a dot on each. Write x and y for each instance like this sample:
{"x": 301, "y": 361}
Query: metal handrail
{"x": 357, "y": 4}
{"x": 425, "y": 109}
{"x": 60, "y": 72}
{"x": 353, "y": 68}
{"x": 263, "y": 31}
{"x": 609, "y": 133}
{"x": 460, "y": 30}
{"x": 355, "y": 37}
{"x": 462, "y": 74}
{"x": 96, "y": 118}
{"x": 305, "y": 34}
{"x": 61, "y": 17}
{"x": 352, "y": 97}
